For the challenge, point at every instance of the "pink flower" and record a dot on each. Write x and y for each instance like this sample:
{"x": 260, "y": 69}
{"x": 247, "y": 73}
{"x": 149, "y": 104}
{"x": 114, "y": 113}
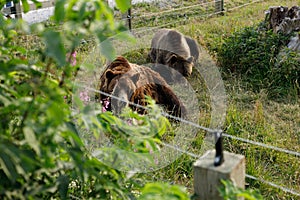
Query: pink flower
{"x": 65, "y": 99}
{"x": 84, "y": 96}
{"x": 72, "y": 58}
{"x": 129, "y": 122}
{"x": 105, "y": 102}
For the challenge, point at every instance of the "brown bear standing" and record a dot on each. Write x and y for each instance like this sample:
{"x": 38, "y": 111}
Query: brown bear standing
{"x": 132, "y": 83}
{"x": 173, "y": 49}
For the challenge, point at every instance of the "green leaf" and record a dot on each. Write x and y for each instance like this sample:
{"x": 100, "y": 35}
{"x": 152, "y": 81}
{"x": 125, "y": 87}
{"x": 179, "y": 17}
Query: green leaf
{"x": 123, "y": 5}
{"x": 55, "y": 113}
{"x": 59, "y": 11}
{"x": 31, "y": 139}
{"x": 25, "y": 6}
{"x": 7, "y": 165}
{"x": 162, "y": 191}
{"x": 37, "y": 3}
{"x": 63, "y": 184}
{"x": 107, "y": 49}
{"x": 54, "y": 47}
{"x": 5, "y": 99}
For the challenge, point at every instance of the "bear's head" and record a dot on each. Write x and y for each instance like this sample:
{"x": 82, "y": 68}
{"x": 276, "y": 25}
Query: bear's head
{"x": 112, "y": 74}
{"x": 182, "y": 65}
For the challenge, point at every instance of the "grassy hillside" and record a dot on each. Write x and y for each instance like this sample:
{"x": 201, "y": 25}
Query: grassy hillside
{"x": 250, "y": 115}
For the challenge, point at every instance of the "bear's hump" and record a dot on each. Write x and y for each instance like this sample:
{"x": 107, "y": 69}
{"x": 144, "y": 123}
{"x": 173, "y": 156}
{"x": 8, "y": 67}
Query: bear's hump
{"x": 176, "y": 43}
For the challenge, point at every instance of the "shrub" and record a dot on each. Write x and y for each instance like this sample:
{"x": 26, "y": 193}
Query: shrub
{"x": 285, "y": 74}
{"x": 230, "y": 192}
{"x": 252, "y": 54}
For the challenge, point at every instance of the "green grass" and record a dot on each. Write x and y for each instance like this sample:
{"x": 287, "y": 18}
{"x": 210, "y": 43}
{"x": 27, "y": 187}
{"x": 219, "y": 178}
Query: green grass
{"x": 250, "y": 115}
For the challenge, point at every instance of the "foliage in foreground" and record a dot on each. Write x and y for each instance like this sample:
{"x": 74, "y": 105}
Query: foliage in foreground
{"x": 231, "y": 192}
{"x": 42, "y": 154}
{"x": 163, "y": 191}
{"x": 259, "y": 57}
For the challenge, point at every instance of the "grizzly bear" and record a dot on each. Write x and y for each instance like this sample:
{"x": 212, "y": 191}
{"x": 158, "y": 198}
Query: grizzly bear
{"x": 132, "y": 83}
{"x": 170, "y": 47}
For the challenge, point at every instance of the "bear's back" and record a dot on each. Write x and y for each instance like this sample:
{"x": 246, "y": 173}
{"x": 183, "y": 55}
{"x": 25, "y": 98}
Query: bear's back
{"x": 173, "y": 41}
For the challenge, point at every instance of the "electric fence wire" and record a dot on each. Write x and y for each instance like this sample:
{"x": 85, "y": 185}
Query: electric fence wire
{"x": 172, "y": 10}
{"x": 205, "y": 15}
{"x": 285, "y": 189}
{"x": 243, "y": 5}
{"x": 179, "y": 119}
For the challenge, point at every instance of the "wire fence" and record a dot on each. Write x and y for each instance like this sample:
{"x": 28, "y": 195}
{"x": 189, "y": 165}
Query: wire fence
{"x": 163, "y": 14}
{"x": 152, "y": 14}
{"x": 193, "y": 155}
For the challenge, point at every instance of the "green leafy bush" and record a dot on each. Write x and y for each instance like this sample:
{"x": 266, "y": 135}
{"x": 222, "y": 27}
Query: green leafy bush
{"x": 285, "y": 74}
{"x": 231, "y": 192}
{"x": 163, "y": 191}
{"x": 252, "y": 54}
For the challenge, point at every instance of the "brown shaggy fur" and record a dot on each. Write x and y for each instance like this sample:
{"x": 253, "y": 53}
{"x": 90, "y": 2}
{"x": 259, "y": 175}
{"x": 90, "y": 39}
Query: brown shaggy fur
{"x": 170, "y": 47}
{"x": 132, "y": 83}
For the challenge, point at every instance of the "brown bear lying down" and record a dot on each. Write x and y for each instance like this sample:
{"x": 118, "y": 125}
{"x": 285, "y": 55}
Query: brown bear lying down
{"x": 170, "y": 47}
{"x": 132, "y": 83}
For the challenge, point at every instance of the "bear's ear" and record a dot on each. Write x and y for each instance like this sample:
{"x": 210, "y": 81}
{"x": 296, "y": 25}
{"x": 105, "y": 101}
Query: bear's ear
{"x": 190, "y": 59}
{"x": 172, "y": 59}
{"x": 109, "y": 74}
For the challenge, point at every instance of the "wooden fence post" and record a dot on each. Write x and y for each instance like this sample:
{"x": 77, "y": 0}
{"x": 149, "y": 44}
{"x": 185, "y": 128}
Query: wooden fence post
{"x": 219, "y": 6}
{"x": 127, "y": 16}
{"x": 18, "y": 10}
{"x": 207, "y": 177}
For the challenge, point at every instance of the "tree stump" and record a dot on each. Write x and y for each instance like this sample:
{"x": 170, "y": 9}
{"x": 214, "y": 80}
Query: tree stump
{"x": 284, "y": 20}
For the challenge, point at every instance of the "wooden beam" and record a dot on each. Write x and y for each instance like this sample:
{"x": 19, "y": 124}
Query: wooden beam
{"x": 207, "y": 177}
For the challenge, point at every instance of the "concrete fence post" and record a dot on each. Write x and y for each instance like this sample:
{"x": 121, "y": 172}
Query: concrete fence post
{"x": 207, "y": 177}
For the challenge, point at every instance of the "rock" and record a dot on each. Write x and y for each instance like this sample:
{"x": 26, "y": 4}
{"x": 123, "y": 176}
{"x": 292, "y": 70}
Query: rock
{"x": 294, "y": 43}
